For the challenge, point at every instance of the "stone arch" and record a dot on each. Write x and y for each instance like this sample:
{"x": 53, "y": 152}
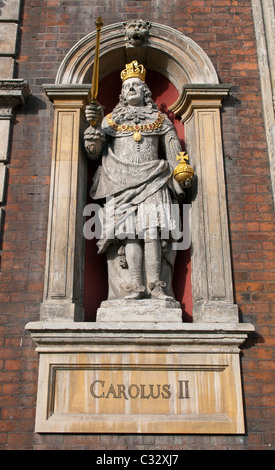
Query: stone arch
{"x": 167, "y": 51}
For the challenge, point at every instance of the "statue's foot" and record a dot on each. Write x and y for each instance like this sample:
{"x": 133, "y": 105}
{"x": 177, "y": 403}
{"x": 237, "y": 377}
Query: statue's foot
{"x": 136, "y": 292}
{"x": 157, "y": 291}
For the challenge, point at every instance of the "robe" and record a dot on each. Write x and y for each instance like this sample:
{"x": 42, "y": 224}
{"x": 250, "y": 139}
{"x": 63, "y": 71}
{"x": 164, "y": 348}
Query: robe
{"x": 138, "y": 184}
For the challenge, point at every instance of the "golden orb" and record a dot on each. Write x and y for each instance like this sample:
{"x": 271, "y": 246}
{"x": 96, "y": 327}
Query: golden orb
{"x": 183, "y": 171}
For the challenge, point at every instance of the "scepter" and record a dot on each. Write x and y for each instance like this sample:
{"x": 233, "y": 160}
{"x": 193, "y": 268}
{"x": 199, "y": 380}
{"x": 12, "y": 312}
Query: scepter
{"x": 94, "y": 89}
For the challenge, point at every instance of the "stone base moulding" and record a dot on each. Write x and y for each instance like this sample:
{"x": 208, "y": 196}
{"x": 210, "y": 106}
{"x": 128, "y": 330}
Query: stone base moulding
{"x": 153, "y": 378}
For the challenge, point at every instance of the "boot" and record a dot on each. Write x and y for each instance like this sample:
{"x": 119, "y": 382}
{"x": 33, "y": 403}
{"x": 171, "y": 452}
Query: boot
{"x": 157, "y": 290}
{"x": 153, "y": 259}
{"x": 137, "y": 292}
{"x": 134, "y": 258}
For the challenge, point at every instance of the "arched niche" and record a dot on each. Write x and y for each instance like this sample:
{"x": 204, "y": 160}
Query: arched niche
{"x": 185, "y": 64}
{"x": 167, "y": 51}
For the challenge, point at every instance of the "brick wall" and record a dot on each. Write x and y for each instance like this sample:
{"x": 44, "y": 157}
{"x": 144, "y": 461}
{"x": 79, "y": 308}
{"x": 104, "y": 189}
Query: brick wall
{"x": 224, "y": 29}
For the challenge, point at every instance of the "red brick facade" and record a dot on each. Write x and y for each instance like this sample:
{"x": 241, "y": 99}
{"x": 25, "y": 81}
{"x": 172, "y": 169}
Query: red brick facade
{"x": 225, "y": 31}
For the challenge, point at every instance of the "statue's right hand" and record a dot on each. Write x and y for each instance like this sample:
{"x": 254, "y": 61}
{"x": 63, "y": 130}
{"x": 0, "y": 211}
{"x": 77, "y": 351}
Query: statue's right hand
{"x": 94, "y": 114}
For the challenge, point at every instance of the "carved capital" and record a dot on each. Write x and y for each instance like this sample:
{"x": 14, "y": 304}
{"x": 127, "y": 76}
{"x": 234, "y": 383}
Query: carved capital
{"x": 67, "y": 96}
{"x": 199, "y": 97}
{"x": 6, "y": 112}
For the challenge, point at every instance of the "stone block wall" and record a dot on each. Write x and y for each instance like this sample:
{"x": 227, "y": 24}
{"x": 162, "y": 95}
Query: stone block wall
{"x": 45, "y": 33}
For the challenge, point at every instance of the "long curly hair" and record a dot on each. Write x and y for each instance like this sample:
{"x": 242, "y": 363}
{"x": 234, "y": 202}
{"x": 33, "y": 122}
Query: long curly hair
{"x": 122, "y": 108}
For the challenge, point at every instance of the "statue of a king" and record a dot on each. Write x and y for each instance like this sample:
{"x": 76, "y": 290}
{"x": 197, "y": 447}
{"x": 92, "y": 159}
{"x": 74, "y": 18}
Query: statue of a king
{"x": 137, "y": 190}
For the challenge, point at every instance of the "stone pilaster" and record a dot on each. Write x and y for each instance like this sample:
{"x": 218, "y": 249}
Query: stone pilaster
{"x": 63, "y": 289}
{"x": 264, "y": 22}
{"x": 199, "y": 108}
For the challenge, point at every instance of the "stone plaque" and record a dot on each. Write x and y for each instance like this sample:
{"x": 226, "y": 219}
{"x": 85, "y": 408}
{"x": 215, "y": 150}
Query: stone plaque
{"x": 136, "y": 392}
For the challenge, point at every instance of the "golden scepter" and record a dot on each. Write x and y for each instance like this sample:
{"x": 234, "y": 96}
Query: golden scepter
{"x": 94, "y": 89}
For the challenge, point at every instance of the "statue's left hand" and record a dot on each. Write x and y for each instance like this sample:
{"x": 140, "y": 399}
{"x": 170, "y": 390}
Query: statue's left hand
{"x": 179, "y": 190}
{"x": 187, "y": 184}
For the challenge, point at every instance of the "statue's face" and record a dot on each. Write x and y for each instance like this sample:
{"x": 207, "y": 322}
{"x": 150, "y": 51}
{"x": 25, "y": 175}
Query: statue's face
{"x": 133, "y": 91}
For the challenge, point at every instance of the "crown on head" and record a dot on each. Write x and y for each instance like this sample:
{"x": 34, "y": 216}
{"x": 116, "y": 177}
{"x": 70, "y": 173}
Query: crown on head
{"x": 133, "y": 70}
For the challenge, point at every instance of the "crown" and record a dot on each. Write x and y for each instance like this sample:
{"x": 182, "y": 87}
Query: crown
{"x": 133, "y": 70}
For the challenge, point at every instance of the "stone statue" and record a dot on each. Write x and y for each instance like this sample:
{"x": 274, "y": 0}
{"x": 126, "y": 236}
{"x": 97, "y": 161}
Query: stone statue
{"x": 137, "y": 190}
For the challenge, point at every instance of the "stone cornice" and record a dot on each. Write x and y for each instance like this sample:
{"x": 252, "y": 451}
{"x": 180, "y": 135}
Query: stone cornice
{"x": 68, "y": 95}
{"x": 13, "y": 92}
{"x": 54, "y": 91}
{"x": 88, "y": 336}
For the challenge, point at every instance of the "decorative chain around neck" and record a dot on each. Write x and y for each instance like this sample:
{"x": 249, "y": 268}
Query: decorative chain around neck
{"x": 136, "y": 128}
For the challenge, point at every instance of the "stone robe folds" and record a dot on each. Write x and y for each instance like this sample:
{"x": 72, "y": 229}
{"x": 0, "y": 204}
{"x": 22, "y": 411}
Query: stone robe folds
{"x": 137, "y": 184}
{"x": 139, "y": 193}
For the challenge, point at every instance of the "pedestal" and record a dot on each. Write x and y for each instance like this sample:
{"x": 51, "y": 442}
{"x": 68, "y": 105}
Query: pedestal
{"x": 143, "y": 310}
{"x": 139, "y": 378}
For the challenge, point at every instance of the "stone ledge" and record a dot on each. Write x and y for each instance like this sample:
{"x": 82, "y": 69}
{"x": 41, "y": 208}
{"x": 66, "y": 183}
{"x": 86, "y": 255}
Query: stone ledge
{"x": 94, "y": 327}
{"x": 69, "y": 336}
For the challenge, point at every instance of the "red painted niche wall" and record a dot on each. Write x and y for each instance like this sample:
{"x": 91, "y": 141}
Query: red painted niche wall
{"x": 95, "y": 270}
